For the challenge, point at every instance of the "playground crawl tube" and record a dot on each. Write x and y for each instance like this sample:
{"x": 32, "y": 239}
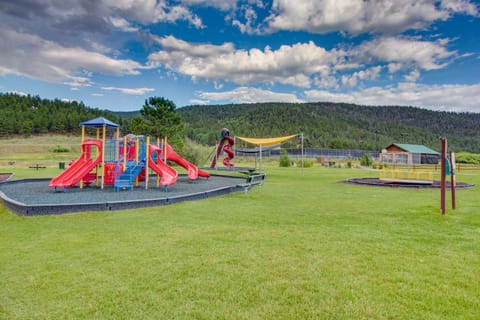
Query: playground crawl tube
{"x": 226, "y": 144}
{"x": 80, "y": 167}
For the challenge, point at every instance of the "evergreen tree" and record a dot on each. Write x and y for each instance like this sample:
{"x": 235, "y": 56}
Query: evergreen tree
{"x": 159, "y": 118}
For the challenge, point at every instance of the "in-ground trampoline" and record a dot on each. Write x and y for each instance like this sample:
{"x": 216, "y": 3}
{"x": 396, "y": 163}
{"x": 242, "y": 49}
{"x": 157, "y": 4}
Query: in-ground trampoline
{"x": 376, "y": 182}
{"x": 33, "y": 196}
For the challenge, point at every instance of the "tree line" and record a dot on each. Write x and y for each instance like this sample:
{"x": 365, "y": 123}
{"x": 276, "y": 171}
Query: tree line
{"x": 335, "y": 125}
{"x": 27, "y": 115}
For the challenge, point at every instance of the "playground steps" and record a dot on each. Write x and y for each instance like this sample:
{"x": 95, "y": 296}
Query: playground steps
{"x": 127, "y": 178}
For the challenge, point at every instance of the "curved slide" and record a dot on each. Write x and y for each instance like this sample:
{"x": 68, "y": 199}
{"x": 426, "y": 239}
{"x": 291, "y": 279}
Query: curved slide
{"x": 193, "y": 171}
{"x": 227, "y": 148}
{"x": 168, "y": 174}
{"x": 80, "y": 167}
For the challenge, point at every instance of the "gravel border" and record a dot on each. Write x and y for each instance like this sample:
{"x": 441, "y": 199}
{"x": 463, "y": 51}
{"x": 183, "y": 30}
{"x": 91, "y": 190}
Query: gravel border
{"x": 30, "y": 197}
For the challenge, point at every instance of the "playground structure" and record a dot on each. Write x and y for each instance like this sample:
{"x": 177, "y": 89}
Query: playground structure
{"x": 225, "y": 144}
{"x": 122, "y": 162}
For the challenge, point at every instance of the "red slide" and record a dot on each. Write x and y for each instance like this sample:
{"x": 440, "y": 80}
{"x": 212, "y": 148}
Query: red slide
{"x": 168, "y": 174}
{"x": 81, "y": 167}
{"x": 226, "y": 144}
{"x": 193, "y": 171}
{"x": 227, "y": 148}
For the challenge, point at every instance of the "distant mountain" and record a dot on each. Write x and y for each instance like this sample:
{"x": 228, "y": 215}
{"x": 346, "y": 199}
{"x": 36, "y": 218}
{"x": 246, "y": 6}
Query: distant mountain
{"x": 335, "y": 125}
{"x": 127, "y": 115}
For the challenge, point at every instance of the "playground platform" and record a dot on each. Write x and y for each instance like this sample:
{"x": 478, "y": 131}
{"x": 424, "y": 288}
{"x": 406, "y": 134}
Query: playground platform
{"x": 30, "y": 197}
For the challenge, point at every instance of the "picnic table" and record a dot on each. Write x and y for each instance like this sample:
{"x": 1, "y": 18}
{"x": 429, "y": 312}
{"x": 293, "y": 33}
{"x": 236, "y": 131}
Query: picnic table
{"x": 37, "y": 166}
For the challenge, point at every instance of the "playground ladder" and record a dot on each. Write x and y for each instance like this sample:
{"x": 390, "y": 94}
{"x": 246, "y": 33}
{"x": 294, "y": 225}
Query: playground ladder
{"x": 127, "y": 178}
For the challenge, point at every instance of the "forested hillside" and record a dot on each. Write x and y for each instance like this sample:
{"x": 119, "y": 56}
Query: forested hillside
{"x": 325, "y": 125}
{"x": 336, "y": 125}
{"x": 28, "y": 115}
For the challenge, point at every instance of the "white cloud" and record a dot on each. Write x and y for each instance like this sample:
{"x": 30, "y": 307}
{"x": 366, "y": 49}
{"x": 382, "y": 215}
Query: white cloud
{"x": 412, "y": 76}
{"x": 460, "y": 6}
{"x": 250, "y": 17}
{"x": 290, "y": 64}
{"x": 248, "y": 95}
{"x": 31, "y": 56}
{"x": 219, "y": 4}
{"x": 394, "y": 67}
{"x": 401, "y": 52}
{"x": 198, "y": 102}
{"x": 301, "y": 64}
{"x": 359, "y": 16}
{"x": 362, "y": 75}
{"x": 447, "y": 97}
{"x": 130, "y": 91}
{"x": 122, "y": 24}
{"x": 147, "y": 12}
{"x": 76, "y": 82}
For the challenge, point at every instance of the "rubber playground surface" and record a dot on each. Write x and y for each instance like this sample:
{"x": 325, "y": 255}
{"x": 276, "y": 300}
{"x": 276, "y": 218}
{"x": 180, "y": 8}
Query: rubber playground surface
{"x": 34, "y": 197}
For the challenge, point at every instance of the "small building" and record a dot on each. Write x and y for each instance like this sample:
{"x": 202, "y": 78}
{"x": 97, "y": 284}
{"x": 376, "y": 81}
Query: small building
{"x": 410, "y": 154}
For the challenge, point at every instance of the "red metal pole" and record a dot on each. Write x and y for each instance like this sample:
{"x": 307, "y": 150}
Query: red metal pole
{"x": 443, "y": 184}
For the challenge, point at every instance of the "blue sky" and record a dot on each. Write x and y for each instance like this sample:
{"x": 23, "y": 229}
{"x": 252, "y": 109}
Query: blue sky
{"x": 114, "y": 54}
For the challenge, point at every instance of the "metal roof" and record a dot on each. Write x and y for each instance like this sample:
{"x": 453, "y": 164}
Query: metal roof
{"x": 414, "y": 148}
{"x": 99, "y": 122}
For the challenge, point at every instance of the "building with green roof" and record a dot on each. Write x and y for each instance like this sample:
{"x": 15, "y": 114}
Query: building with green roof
{"x": 403, "y": 153}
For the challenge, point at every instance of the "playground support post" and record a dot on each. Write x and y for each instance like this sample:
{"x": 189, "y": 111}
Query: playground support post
{"x": 104, "y": 137}
{"x": 147, "y": 145}
{"x": 157, "y": 178}
{"x": 443, "y": 184}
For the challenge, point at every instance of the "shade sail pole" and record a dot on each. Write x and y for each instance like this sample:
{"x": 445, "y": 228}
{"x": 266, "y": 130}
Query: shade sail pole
{"x": 301, "y": 137}
{"x": 260, "y": 158}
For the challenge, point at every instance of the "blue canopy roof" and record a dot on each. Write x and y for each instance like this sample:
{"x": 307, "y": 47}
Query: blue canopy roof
{"x": 99, "y": 122}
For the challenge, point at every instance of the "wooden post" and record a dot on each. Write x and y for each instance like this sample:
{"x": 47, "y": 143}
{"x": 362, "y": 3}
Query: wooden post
{"x": 443, "y": 184}
{"x": 165, "y": 150}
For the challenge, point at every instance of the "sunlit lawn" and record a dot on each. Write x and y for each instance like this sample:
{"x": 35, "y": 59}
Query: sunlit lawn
{"x": 299, "y": 247}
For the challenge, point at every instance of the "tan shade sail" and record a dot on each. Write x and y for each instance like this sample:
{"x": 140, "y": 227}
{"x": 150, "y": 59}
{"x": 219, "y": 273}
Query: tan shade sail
{"x": 267, "y": 141}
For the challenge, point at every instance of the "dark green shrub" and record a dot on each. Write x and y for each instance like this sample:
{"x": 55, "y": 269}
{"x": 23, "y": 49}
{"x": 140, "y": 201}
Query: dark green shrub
{"x": 467, "y": 158}
{"x": 306, "y": 163}
{"x": 284, "y": 160}
{"x": 365, "y": 160}
{"x": 59, "y": 148}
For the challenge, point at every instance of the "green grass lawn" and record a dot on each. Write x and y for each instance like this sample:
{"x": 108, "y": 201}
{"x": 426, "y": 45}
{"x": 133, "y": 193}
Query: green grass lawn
{"x": 296, "y": 248}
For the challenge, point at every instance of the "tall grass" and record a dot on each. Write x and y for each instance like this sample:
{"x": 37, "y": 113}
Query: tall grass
{"x": 299, "y": 247}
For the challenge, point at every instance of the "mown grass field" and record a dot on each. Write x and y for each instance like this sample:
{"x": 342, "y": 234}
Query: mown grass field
{"x": 297, "y": 248}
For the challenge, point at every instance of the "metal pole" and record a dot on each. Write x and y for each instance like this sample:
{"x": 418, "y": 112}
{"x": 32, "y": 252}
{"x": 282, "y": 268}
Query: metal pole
{"x": 443, "y": 184}
{"x": 301, "y": 136}
{"x": 453, "y": 182}
{"x": 260, "y": 158}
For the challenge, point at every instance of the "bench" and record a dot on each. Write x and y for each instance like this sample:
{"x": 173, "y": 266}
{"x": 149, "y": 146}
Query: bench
{"x": 249, "y": 172}
{"x": 37, "y": 166}
{"x": 253, "y": 180}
